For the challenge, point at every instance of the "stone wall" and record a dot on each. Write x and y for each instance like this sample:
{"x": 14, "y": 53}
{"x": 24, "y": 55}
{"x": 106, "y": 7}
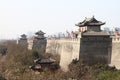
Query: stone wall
{"x": 92, "y": 50}
{"x": 30, "y": 44}
{"x": 68, "y": 49}
{"x": 54, "y": 46}
{"x": 95, "y": 49}
{"x": 115, "y": 59}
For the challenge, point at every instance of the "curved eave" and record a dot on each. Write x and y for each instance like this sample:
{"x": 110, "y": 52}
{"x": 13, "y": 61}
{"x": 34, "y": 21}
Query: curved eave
{"x": 95, "y": 24}
{"x": 39, "y": 33}
{"x": 79, "y": 25}
{"x": 23, "y": 35}
{"x": 90, "y": 24}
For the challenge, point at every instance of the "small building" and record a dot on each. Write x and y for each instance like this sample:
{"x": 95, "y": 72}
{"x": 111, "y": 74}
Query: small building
{"x": 44, "y": 63}
{"x": 95, "y": 44}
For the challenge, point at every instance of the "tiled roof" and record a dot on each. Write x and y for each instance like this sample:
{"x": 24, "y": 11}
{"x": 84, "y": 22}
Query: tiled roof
{"x": 90, "y": 21}
{"x": 48, "y": 60}
{"x": 23, "y": 35}
{"x": 45, "y": 60}
{"x": 40, "y": 32}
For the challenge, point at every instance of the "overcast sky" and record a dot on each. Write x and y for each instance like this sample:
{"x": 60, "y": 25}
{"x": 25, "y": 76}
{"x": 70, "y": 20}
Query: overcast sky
{"x": 51, "y": 16}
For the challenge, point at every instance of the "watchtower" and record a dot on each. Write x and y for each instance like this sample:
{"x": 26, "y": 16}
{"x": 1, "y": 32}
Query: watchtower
{"x": 95, "y": 45}
{"x": 22, "y": 40}
{"x": 37, "y": 42}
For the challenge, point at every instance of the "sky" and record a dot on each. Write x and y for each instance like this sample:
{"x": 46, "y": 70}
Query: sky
{"x": 51, "y": 16}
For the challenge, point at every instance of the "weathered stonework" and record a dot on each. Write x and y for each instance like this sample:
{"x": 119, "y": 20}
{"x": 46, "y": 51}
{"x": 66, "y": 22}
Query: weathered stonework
{"x": 54, "y": 46}
{"x": 115, "y": 56}
{"x": 97, "y": 49}
{"x": 91, "y": 49}
{"x": 67, "y": 48}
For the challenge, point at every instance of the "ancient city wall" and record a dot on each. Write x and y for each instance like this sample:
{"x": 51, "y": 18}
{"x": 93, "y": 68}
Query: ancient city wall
{"x": 115, "y": 59}
{"x": 87, "y": 48}
{"x": 30, "y": 44}
{"x": 67, "y": 48}
{"x": 54, "y": 46}
{"x": 91, "y": 50}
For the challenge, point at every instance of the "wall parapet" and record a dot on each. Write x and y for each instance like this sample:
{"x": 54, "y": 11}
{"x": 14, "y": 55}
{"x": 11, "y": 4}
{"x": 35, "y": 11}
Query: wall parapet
{"x": 64, "y": 39}
{"x": 115, "y": 39}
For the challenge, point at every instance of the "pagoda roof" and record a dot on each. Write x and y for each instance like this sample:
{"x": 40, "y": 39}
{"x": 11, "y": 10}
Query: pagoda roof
{"x": 49, "y": 60}
{"x": 90, "y": 22}
{"x": 45, "y": 60}
{"x": 23, "y": 35}
{"x": 39, "y": 32}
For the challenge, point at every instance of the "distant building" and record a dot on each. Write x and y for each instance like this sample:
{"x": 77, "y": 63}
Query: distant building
{"x": 37, "y": 42}
{"x": 22, "y": 40}
{"x": 45, "y": 63}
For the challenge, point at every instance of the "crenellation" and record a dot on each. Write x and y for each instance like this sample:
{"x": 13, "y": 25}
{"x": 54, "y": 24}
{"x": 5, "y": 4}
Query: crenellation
{"x": 65, "y": 39}
{"x": 116, "y": 39}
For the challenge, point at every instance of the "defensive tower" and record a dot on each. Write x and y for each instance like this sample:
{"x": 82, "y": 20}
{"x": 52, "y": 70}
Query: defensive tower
{"x": 95, "y": 45}
{"x": 37, "y": 42}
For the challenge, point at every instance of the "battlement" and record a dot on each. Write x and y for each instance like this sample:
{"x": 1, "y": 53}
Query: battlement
{"x": 115, "y": 39}
{"x": 63, "y": 39}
